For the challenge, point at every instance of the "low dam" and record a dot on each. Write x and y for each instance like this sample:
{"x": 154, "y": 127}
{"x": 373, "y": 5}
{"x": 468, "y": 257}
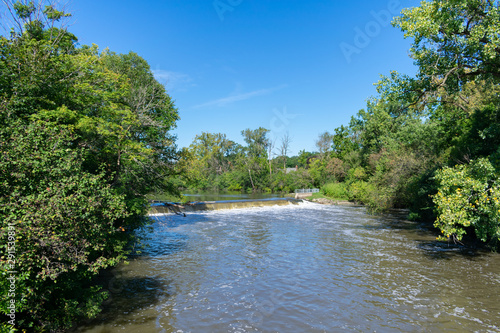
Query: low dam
{"x": 166, "y": 207}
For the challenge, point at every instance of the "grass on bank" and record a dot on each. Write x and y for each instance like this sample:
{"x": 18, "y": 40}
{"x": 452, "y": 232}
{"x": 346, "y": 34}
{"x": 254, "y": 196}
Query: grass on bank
{"x": 335, "y": 191}
{"x": 332, "y": 191}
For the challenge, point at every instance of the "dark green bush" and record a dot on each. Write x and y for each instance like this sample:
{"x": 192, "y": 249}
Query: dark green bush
{"x": 67, "y": 225}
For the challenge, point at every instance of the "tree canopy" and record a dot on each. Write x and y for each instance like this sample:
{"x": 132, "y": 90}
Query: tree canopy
{"x": 84, "y": 136}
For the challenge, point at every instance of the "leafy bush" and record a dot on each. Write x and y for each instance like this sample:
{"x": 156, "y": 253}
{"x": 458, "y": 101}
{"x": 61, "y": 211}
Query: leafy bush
{"x": 298, "y": 179}
{"x": 337, "y": 168}
{"x": 335, "y": 190}
{"x": 468, "y": 200}
{"x": 84, "y": 136}
{"x": 67, "y": 225}
{"x": 422, "y": 189}
{"x": 357, "y": 174}
{"x": 360, "y": 191}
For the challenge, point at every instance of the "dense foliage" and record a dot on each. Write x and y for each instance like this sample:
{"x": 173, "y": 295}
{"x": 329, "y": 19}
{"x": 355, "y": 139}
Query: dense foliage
{"x": 468, "y": 201}
{"x": 430, "y": 143}
{"x": 213, "y": 162}
{"x": 84, "y": 136}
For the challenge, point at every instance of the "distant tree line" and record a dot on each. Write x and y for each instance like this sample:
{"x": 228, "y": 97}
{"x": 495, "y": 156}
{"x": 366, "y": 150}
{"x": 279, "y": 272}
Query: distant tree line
{"x": 215, "y": 163}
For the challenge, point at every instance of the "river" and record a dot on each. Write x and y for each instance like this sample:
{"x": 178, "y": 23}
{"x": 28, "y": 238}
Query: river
{"x": 300, "y": 268}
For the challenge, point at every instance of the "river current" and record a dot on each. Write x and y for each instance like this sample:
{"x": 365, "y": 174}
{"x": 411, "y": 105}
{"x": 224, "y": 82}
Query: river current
{"x": 300, "y": 268}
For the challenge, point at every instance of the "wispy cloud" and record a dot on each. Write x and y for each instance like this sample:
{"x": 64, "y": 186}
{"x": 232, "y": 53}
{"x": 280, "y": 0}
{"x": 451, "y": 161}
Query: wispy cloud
{"x": 173, "y": 80}
{"x": 238, "y": 97}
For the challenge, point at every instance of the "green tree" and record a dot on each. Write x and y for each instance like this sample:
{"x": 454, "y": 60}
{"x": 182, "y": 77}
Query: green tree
{"x": 454, "y": 41}
{"x": 67, "y": 224}
{"x": 304, "y": 157}
{"x": 256, "y": 156}
{"x": 156, "y": 116}
{"x": 468, "y": 201}
{"x": 343, "y": 141}
{"x": 80, "y": 149}
{"x": 211, "y": 155}
{"x": 257, "y": 142}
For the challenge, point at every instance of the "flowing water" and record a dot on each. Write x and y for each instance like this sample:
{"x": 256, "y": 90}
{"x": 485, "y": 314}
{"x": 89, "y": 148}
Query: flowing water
{"x": 300, "y": 268}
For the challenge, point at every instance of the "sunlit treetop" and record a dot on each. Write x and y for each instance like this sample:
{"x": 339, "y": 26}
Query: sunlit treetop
{"x": 454, "y": 40}
{"x": 38, "y": 21}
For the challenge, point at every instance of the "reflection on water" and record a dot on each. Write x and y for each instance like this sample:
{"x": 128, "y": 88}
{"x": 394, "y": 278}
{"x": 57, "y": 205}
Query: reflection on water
{"x": 306, "y": 268}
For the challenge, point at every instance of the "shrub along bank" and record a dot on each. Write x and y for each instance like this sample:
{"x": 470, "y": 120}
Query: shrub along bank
{"x": 84, "y": 135}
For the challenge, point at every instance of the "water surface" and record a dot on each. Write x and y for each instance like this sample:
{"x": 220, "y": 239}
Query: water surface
{"x": 306, "y": 268}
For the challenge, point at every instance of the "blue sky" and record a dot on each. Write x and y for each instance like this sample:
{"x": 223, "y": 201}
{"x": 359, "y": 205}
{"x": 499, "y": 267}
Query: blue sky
{"x": 302, "y": 67}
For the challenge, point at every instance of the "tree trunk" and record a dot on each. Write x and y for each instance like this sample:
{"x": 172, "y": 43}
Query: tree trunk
{"x": 251, "y": 180}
